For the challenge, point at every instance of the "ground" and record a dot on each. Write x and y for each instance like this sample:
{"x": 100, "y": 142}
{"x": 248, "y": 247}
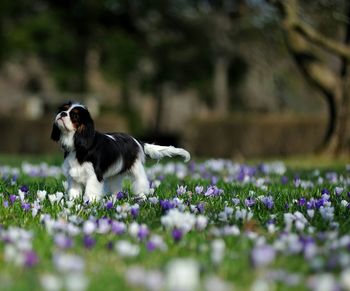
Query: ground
{"x": 207, "y": 225}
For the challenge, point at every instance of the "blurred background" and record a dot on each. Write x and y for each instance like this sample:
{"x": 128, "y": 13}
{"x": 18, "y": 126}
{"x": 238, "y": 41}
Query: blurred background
{"x": 234, "y": 79}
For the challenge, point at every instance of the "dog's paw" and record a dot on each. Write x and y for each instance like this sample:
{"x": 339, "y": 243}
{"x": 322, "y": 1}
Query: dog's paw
{"x": 74, "y": 172}
{"x": 91, "y": 197}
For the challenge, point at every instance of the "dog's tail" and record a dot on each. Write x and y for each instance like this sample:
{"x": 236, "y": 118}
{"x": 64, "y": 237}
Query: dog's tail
{"x": 157, "y": 152}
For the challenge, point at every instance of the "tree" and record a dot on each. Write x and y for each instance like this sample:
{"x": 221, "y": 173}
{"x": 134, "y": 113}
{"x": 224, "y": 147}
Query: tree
{"x": 301, "y": 39}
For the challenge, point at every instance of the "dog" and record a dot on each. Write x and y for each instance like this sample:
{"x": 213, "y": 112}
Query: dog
{"x": 97, "y": 162}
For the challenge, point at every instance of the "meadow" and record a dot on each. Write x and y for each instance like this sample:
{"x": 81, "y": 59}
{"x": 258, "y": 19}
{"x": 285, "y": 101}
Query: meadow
{"x": 207, "y": 225}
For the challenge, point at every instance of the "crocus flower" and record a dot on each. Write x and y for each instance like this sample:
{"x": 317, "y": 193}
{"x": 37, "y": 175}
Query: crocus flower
{"x": 63, "y": 241}
{"x": 166, "y": 204}
{"x": 199, "y": 189}
{"x": 118, "y": 227}
{"x": 142, "y": 232}
{"x": 182, "y": 274}
{"x": 338, "y": 190}
{"x": 302, "y": 201}
{"x": 89, "y": 227}
{"x": 284, "y": 180}
{"x": 177, "y": 234}
{"x": 262, "y": 255}
{"x": 201, "y": 207}
{"x": 181, "y": 190}
{"x": 150, "y": 246}
{"x": 13, "y": 198}
{"x": 26, "y": 206}
{"x": 24, "y": 188}
{"x": 127, "y": 249}
{"x": 134, "y": 210}
{"x": 236, "y": 201}
{"x": 249, "y": 202}
{"x": 268, "y": 201}
{"x": 109, "y": 205}
{"x": 30, "y": 258}
{"x": 213, "y": 191}
{"x": 120, "y": 195}
{"x": 89, "y": 241}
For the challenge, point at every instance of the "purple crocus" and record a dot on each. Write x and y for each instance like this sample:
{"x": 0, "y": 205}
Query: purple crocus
{"x": 120, "y": 195}
{"x": 338, "y": 191}
{"x": 199, "y": 189}
{"x": 177, "y": 234}
{"x": 302, "y": 201}
{"x": 6, "y": 204}
{"x": 284, "y": 180}
{"x": 262, "y": 255}
{"x": 325, "y": 191}
{"x": 213, "y": 191}
{"x": 181, "y": 190}
{"x": 268, "y": 201}
{"x": 63, "y": 241}
{"x": 118, "y": 227}
{"x": 143, "y": 232}
{"x": 236, "y": 201}
{"x": 311, "y": 203}
{"x": 214, "y": 180}
{"x": 319, "y": 203}
{"x": 30, "y": 259}
{"x": 24, "y": 188}
{"x": 109, "y": 205}
{"x": 13, "y": 198}
{"x": 151, "y": 246}
{"x": 249, "y": 202}
{"x": 26, "y": 206}
{"x": 134, "y": 210}
{"x": 89, "y": 241}
{"x": 201, "y": 207}
{"x": 166, "y": 204}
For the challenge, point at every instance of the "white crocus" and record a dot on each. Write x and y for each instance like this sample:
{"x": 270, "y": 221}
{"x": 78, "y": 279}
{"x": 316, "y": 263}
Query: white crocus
{"x": 41, "y": 194}
{"x": 182, "y": 274}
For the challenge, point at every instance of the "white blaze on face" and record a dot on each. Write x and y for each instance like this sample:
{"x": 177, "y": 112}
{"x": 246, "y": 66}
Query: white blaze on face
{"x": 63, "y": 120}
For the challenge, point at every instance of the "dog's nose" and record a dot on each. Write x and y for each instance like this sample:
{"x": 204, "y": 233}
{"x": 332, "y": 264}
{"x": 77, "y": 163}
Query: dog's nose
{"x": 63, "y": 114}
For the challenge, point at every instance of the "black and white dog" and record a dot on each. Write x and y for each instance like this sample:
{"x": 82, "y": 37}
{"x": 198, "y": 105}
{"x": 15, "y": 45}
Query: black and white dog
{"x": 98, "y": 161}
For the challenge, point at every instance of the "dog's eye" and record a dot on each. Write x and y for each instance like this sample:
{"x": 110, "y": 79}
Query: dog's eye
{"x": 75, "y": 115}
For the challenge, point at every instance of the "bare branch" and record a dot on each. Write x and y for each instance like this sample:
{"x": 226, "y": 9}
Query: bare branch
{"x": 332, "y": 46}
{"x": 288, "y": 9}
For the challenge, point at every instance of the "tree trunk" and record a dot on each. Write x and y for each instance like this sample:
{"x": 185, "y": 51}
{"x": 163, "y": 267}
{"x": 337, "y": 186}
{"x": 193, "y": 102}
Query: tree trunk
{"x": 220, "y": 85}
{"x": 333, "y": 85}
{"x": 339, "y": 141}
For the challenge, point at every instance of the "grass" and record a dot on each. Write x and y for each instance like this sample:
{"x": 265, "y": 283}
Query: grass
{"x": 106, "y": 269}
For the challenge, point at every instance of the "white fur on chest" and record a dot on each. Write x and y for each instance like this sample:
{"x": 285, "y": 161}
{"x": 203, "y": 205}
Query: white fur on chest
{"x": 67, "y": 140}
{"x": 78, "y": 172}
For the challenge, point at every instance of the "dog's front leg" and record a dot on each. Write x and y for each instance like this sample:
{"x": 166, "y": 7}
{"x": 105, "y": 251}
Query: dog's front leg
{"x": 93, "y": 189}
{"x": 74, "y": 189}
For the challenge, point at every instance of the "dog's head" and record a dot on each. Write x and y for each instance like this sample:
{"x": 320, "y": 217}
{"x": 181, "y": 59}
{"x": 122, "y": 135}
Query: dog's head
{"x": 73, "y": 127}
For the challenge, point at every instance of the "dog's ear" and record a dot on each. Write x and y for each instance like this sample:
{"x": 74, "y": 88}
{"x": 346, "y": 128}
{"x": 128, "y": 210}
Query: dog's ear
{"x": 84, "y": 135}
{"x": 55, "y": 133}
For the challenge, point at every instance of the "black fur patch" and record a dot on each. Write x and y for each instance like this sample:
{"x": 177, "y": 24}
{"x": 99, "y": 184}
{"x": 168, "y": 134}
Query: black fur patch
{"x": 105, "y": 151}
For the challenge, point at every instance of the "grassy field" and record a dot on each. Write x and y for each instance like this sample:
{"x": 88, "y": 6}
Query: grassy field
{"x": 208, "y": 225}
